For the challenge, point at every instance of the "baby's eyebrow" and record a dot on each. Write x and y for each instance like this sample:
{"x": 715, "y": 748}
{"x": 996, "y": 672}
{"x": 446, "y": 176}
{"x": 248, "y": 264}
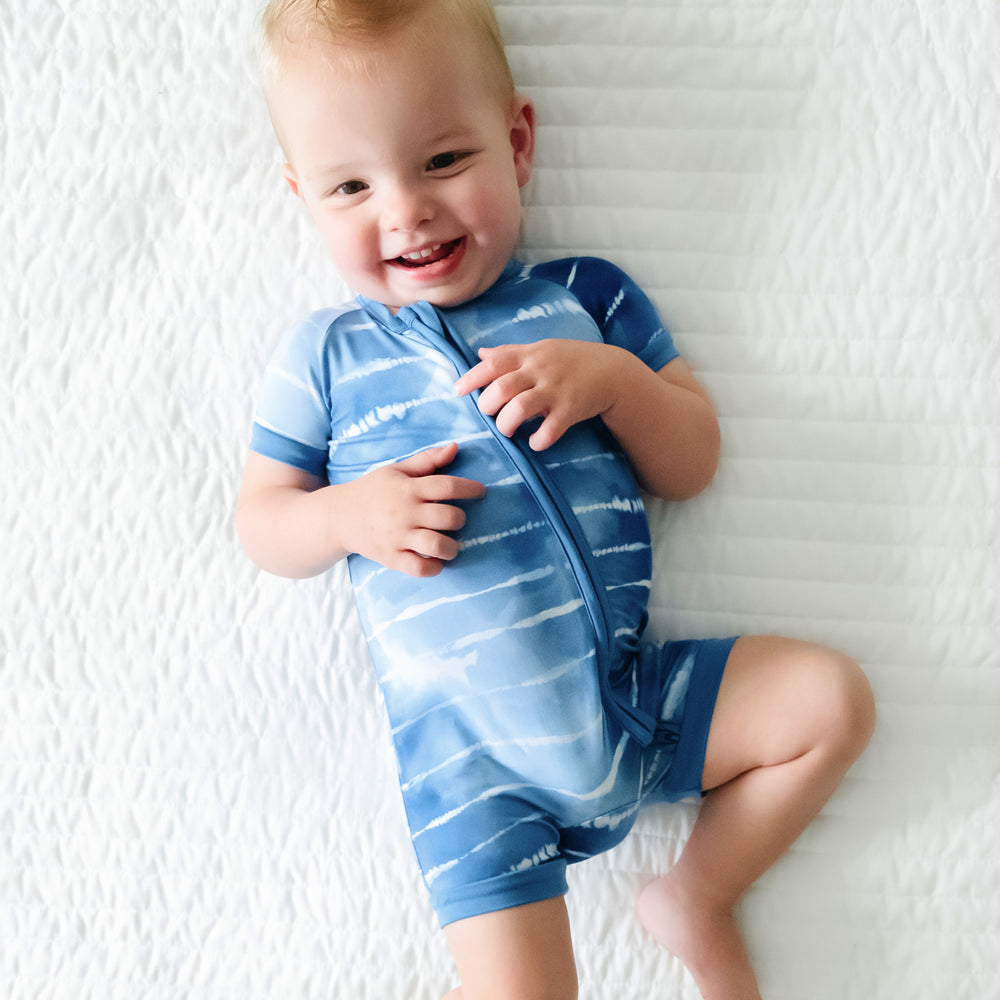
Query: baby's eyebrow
{"x": 328, "y": 173}
{"x": 456, "y": 135}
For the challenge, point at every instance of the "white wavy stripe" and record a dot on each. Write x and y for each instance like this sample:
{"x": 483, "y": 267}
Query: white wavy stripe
{"x": 514, "y": 480}
{"x": 625, "y": 505}
{"x": 678, "y": 688}
{"x": 543, "y": 616}
{"x": 437, "y": 872}
{"x": 416, "y": 610}
{"x": 475, "y": 436}
{"x": 613, "y": 821}
{"x": 549, "y": 310}
{"x": 469, "y": 543}
{"x": 545, "y": 853}
{"x": 522, "y": 742}
{"x": 609, "y": 781}
{"x": 582, "y": 459}
{"x": 474, "y": 337}
{"x": 411, "y": 670}
{"x": 645, "y": 584}
{"x": 283, "y": 375}
{"x": 376, "y": 367}
{"x": 618, "y": 549}
{"x": 361, "y": 586}
{"x": 459, "y": 440}
{"x": 383, "y": 414}
{"x": 540, "y": 310}
{"x": 285, "y": 433}
{"x": 619, "y": 298}
{"x": 490, "y": 793}
{"x": 541, "y": 680}
{"x": 601, "y": 790}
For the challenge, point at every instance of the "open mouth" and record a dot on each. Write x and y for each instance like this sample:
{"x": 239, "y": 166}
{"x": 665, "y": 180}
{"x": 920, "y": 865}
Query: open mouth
{"x": 428, "y": 255}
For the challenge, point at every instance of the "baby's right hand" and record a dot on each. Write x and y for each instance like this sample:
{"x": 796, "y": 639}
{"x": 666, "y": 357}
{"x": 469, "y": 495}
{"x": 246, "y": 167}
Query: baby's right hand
{"x": 400, "y": 514}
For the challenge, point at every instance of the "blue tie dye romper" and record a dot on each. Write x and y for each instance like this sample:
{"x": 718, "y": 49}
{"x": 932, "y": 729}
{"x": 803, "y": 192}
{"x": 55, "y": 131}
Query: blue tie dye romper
{"x": 529, "y": 718}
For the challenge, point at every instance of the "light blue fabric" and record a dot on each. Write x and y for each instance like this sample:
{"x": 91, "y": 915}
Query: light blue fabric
{"x": 510, "y": 679}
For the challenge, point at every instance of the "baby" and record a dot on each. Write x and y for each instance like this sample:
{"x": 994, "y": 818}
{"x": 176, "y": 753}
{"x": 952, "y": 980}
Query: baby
{"x": 472, "y": 434}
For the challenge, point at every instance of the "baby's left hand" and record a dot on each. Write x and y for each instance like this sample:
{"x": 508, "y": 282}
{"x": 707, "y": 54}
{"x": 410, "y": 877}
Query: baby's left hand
{"x": 562, "y": 381}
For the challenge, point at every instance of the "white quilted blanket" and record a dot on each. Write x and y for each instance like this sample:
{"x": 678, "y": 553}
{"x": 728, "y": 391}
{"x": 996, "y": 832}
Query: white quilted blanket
{"x": 197, "y": 798}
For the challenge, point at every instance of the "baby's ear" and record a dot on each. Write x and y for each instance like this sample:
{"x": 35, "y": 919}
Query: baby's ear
{"x": 522, "y": 138}
{"x": 288, "y": 172}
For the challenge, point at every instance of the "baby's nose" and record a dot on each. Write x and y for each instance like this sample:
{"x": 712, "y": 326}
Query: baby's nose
{"x": 407, "y": 208}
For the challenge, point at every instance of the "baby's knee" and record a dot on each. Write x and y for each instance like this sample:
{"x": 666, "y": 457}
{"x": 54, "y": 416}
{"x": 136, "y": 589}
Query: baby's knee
{"x": 847, "y": 700}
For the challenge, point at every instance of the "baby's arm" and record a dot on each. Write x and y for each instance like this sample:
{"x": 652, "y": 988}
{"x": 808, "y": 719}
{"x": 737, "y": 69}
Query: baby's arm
{"x": 666, "y": 423}
{"x": 663, "y": 420}
{"x": 293, "y": 524}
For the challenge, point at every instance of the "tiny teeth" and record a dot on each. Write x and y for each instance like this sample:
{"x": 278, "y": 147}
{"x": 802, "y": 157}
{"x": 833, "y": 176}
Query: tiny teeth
{"x": 417, "y": 254}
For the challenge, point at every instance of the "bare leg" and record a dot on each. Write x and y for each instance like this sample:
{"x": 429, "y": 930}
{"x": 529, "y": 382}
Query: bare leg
{"x": 789, "y": 721}
{"x": 523, "y": 953}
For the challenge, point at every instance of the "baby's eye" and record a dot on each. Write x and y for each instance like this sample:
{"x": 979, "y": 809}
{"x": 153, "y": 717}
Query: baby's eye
{"x": 444, "y": 160}
{"x": 350, "y": 187}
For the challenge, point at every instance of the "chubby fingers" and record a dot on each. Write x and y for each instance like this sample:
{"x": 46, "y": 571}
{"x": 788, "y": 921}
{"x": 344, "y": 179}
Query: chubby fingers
{"x": 494, "y": 362}
{"x": 508, "y": 389}
{"x": 424, "y": 463}
{"x": 433, "y": 487}
{"x": 442, "y": 489}
{"x": 409, "y": 509}
{"x": 429, "y": 543}
{"x": 514, "y": 393}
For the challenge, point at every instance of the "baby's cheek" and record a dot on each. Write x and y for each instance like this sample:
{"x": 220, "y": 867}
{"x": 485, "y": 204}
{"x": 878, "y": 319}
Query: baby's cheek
{"x": 352, "y": 249}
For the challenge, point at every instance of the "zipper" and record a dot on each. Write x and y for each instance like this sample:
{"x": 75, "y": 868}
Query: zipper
{"x": 641, "y": 725}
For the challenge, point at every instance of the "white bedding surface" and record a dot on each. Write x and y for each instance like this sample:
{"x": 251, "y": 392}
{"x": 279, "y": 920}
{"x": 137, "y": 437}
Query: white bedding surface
{"x": 197, "y": 798}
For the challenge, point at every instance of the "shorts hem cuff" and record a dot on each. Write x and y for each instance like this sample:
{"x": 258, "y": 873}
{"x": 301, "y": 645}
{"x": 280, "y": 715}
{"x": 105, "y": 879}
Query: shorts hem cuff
{"x": 518, "y": 888}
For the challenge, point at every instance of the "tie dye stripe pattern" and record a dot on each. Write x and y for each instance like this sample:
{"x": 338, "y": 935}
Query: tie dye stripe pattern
{"x": 504, "y": 678}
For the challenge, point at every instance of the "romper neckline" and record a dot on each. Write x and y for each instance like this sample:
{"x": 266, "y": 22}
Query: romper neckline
{"x": 421, "y": 312}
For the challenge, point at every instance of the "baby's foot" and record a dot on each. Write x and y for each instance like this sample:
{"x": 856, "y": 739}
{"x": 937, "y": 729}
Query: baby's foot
{"x": 705, "y": 939}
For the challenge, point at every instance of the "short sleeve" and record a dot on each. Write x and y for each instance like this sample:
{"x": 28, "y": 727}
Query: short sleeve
{"x": 292, "y": 421}
{"x": 620, "y": 308}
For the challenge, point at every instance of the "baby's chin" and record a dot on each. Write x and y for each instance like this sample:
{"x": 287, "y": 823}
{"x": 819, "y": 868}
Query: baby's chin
{"x": 447, "y": 279}
{"x": 440, "y": 298}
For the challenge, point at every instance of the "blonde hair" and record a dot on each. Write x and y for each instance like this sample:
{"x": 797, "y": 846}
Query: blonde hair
{"x": 356, "y": 24}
